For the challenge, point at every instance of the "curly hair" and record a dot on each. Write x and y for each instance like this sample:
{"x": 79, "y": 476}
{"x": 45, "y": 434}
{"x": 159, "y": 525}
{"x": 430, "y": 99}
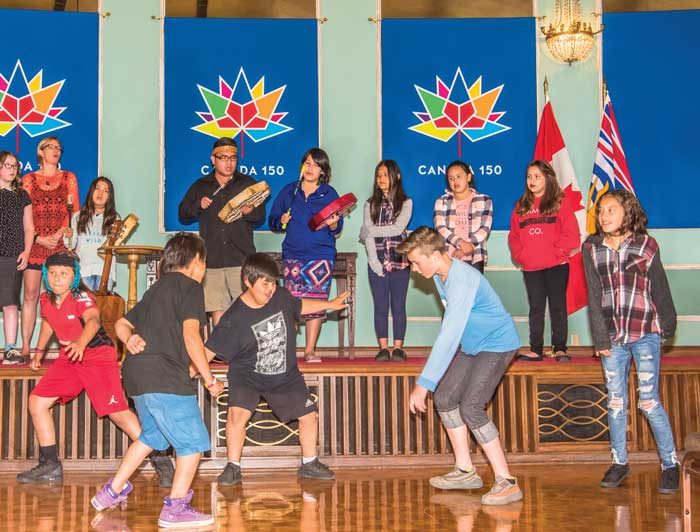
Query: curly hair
{"x": 635, "y": 219}
{"x": 553, "y": 194}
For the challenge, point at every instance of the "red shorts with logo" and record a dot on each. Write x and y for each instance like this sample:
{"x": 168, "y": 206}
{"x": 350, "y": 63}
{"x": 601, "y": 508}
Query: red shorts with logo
{"x": 100, "y": 377}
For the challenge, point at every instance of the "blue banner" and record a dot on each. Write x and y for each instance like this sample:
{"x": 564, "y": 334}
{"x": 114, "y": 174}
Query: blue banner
{"x": 49, "y": 79}
{"x": 653, "y": 84}
{"x": 253, "y": 80}
{"x": 459, "y": 89}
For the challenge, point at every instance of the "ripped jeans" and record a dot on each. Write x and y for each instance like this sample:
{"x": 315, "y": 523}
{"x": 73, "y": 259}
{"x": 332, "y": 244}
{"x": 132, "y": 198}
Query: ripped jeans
{"x": 647, "y": 359}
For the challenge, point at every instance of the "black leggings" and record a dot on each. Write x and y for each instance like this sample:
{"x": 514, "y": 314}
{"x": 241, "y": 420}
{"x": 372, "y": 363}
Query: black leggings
{"x": 548, "y": 286}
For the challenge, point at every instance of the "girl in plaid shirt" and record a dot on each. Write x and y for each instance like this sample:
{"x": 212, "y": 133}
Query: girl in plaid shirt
{"x": 630, "y": 309}
{"x": 463, "y": 216}
{"x": 386, "y": 217}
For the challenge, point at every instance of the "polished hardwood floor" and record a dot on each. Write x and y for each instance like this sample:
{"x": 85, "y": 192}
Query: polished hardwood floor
{"x": 557, "y": 498}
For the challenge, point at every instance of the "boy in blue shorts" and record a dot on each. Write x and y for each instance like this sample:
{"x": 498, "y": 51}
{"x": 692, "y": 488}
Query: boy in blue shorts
{"x": 476, "y": 342}
{"x": 257, "y": 337}
{"x": 163, "y": 334}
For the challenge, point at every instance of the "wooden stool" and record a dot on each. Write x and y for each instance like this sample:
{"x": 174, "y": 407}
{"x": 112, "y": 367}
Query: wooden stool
{"x": 690, "y": 468}
{"x": 135, "y": 253}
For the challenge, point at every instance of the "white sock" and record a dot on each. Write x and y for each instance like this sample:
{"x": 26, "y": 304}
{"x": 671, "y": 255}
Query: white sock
{"x": 305, "y": 460}
{"x": 234, "y": 463}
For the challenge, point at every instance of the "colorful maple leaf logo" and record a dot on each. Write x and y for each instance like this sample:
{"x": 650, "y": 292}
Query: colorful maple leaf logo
{"x": 242, "y": 110}
{"x": 459, "y": 109}
{"x": 28, "y": 105}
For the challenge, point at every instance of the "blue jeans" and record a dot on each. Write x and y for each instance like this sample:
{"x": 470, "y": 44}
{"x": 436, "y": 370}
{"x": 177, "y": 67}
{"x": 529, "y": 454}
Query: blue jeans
{"x": 647, "y": 359}
{"x": 168, "y": 419}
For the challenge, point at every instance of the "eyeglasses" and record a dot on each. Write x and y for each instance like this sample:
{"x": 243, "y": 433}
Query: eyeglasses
{"x": 52, "y": 147}
{"x": 9, "y": 166}
{"x": 227, "y": 158}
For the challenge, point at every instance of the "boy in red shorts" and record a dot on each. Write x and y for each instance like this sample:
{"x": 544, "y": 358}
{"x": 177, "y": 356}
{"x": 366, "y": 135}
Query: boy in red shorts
{"x": 87, "y": 361}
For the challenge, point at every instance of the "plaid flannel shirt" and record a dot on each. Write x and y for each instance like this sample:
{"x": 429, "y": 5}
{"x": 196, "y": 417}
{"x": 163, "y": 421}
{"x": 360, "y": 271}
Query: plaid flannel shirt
{"x": 386, "y": 246}
{"x": 628, "y": 306}
{"x": 480, "y": 220}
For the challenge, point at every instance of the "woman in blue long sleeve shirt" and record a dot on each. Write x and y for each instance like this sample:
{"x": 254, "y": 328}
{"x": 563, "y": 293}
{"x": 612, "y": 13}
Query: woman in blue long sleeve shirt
{"x": 308, "y": 256}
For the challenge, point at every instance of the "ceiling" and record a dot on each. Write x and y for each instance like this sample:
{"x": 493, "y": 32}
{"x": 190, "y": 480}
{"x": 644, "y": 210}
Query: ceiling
{"x": 390, "y": 8}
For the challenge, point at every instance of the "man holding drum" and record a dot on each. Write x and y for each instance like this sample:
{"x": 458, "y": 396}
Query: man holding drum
{"x": 228, "y": 244}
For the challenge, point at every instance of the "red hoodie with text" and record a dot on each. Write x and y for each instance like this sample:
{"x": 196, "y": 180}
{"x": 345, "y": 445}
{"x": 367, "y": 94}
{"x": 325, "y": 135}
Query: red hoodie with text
{"x": 538, "y": 241}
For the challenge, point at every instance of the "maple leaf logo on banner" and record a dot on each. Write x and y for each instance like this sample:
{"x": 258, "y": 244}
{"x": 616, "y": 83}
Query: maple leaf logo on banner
{"x": 459, "y": 109}
{"x": 242, "y": 110}
{"x": 28, "y": 105}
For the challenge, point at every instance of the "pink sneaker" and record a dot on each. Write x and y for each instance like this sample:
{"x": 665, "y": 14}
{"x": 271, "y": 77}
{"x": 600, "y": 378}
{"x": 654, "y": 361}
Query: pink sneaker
{"x": 179, "y": 513}
{"x": 108, "y": 498}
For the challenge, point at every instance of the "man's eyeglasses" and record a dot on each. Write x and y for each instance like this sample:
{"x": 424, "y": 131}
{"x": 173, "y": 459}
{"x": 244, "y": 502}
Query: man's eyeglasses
{"x": 227, "y": 158}
{"x": 52, "y": 147}
{"x": 10, "y": 166}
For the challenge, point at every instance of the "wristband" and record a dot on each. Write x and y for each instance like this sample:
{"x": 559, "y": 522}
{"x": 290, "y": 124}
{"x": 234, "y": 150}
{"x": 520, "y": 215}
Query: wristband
{"x": 212, "y": 383}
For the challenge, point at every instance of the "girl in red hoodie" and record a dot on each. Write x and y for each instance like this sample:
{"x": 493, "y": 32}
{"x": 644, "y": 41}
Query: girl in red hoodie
{"x": 543, "y": 234}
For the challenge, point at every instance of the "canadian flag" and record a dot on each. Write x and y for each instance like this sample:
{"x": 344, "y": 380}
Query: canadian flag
{"x": 550, "y": 147}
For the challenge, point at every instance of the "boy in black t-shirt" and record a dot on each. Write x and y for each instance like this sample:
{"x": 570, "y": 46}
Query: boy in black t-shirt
{"x": 163, "y": 334}
{"x": 257, "y": 337}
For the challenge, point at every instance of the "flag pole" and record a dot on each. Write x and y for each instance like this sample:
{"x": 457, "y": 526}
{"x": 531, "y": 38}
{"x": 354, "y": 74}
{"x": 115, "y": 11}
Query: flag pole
{"x": 545, "y": 86}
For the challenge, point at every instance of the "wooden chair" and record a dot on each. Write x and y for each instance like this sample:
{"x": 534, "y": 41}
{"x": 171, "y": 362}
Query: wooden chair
{"x": 690, "y": 468}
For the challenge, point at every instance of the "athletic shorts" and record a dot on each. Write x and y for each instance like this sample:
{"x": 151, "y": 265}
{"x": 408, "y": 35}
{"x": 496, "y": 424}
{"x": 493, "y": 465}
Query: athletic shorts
{"x": 101, "y": 380}
{"x": 168, "y": 419}
{"x": 287, "y": 403}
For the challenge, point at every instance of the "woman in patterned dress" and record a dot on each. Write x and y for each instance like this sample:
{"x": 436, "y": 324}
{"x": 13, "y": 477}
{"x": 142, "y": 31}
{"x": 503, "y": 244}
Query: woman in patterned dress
{"x": 54, "y": 195}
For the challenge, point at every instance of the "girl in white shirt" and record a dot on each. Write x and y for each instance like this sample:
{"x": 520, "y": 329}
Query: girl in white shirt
{"x": 91, "y": 227}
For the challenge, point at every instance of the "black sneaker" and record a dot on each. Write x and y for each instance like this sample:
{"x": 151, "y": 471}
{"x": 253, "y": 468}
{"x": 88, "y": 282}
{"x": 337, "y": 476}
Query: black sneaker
{"x": 398, "y": 355}
{"x": 670, "y": 479}
{"x": 317, "y": 470}
{"x": 164, "y": 468}
{"x": 13, "y": 356}
{"x": 615, "y": 474}
{"x": 383, "y": 356}
{"x": 46, "y": 471}
{"x": 562, "y": 356}
{"x": 230, "y": 476}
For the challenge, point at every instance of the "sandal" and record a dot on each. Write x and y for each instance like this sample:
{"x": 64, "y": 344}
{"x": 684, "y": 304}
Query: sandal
{"x": 530, "y": 356}
{"x": 311, "y": 357}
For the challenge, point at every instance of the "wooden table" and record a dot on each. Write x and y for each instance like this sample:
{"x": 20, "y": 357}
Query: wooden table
{"x": 134, "y": 253}
{"x": 345, "y": 274}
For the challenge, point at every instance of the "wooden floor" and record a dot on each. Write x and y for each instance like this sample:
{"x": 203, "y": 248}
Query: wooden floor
{"x": 557, "y": 498}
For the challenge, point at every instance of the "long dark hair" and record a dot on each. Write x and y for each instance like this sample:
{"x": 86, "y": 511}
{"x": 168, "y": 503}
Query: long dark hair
{"x": 553, "y": 194}
{"x": 320, "y": 157}
{"x": 88, "y": 208}
{"x": 16, "y": 184}
{"x": 635, "y": 219}
{"x": 396, "y": 195}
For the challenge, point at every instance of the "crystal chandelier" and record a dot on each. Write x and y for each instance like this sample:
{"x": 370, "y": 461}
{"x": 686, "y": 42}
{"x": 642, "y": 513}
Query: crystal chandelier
{"x": 568, "y": 38}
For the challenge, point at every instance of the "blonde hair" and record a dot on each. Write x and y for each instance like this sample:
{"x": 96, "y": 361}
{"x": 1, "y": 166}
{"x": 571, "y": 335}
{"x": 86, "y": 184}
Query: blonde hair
{"x": 425, "y": 238}
{"x": 43, "y": 142}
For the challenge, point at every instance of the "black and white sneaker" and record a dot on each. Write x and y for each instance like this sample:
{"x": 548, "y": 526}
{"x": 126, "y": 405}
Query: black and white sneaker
{"x": 316, "y": 470}
{"x": 45, "y": 472}
{"x": 164, "y": 468}
{"x": 13, "y": 356}
{"x": 670, "y": 480}
{"x": 615, "y": 474}
{"x": 231, "y": 475}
